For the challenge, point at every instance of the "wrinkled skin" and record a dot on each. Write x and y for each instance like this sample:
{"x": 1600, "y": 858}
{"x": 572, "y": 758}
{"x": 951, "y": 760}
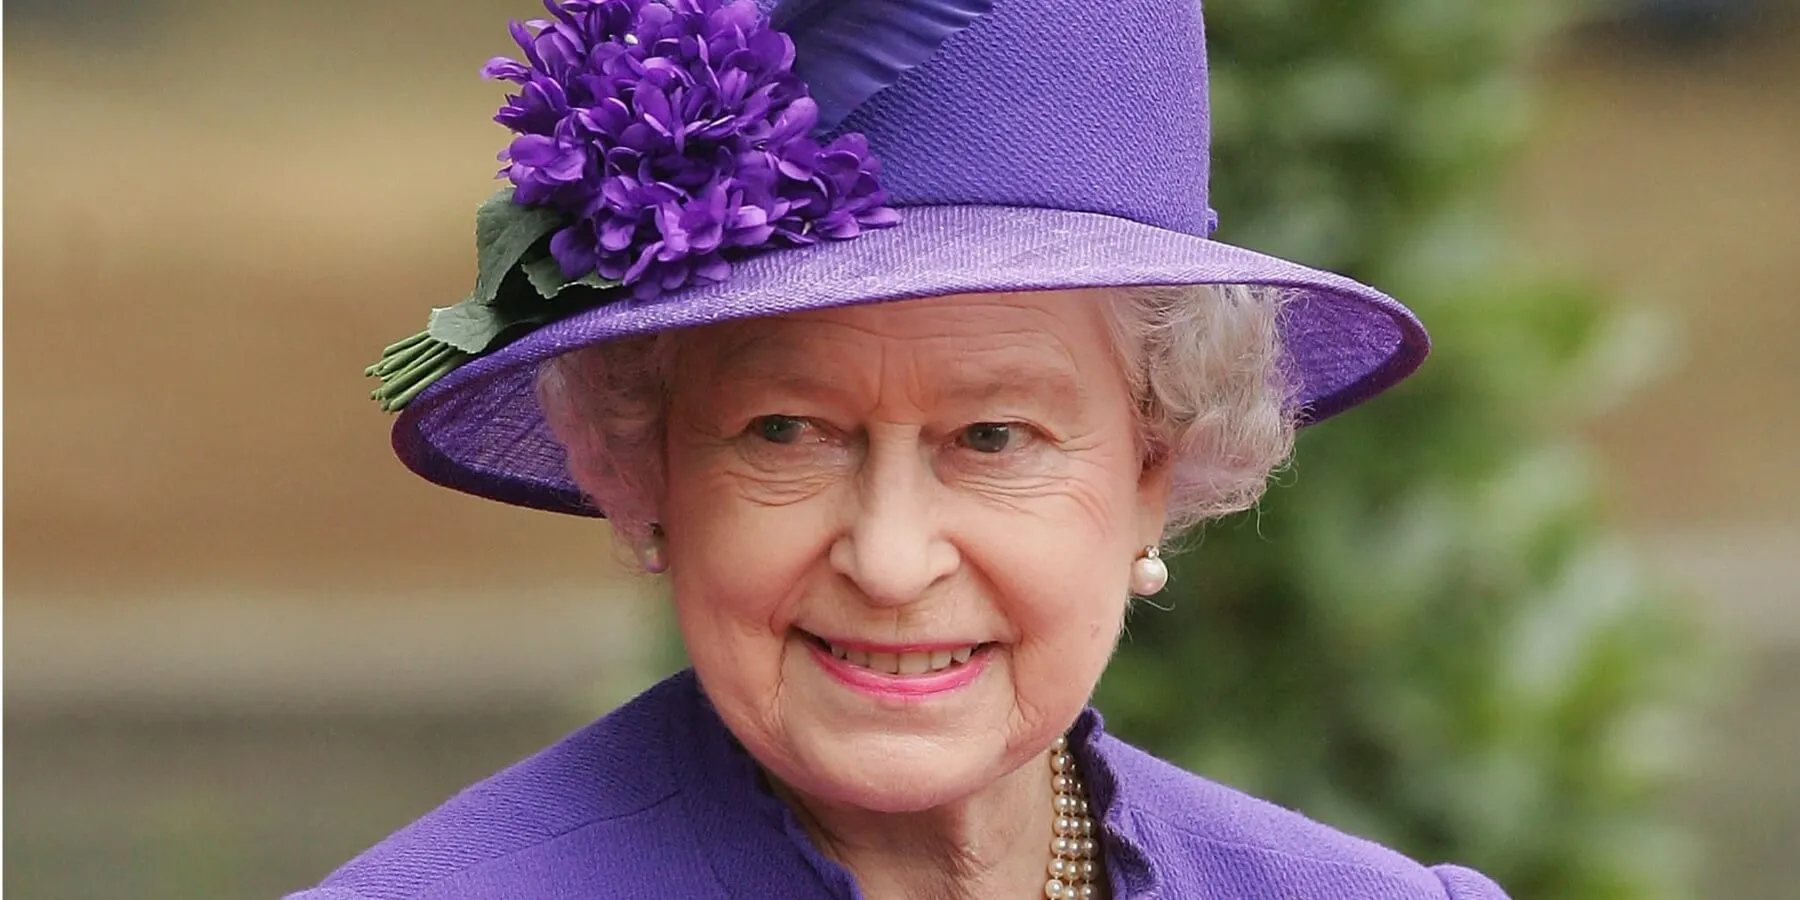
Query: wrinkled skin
{"x": 957, "y": 469}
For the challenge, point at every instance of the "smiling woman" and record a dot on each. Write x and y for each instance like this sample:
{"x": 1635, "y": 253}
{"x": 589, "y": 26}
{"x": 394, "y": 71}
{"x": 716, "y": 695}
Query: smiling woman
{"x": 902, "y": 383}
{"x": 895, "y": 531}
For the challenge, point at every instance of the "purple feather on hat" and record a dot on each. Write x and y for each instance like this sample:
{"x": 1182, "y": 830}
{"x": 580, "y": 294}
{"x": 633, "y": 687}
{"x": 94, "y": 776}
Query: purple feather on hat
{"x": 849, "y": 50}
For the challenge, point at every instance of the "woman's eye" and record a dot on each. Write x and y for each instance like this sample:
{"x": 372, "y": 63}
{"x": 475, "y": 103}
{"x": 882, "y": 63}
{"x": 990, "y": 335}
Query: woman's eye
{"x": 779, "y": 429}
{"x": 989, "y": 437}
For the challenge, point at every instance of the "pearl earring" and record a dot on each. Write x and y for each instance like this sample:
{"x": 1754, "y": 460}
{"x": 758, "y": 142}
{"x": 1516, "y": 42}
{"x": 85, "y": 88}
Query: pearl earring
{"x": 1149, "y": 574}
{"x": 653, "y": 552}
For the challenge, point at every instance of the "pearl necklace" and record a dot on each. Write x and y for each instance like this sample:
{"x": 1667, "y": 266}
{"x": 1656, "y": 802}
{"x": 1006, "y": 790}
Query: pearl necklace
{"x": 1074, "y": 871}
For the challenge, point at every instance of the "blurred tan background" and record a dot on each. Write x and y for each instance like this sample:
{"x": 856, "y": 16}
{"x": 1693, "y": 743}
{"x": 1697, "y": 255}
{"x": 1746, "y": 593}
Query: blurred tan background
{"x": 227, "y": 605}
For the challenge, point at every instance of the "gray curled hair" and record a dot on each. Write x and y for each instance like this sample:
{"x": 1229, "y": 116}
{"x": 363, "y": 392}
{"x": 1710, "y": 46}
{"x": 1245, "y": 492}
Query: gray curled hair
{"x": 1203, "y": 362}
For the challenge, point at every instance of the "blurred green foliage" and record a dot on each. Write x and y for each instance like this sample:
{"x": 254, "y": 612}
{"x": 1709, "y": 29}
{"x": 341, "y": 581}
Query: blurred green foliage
{"x": 1427, "y": 634}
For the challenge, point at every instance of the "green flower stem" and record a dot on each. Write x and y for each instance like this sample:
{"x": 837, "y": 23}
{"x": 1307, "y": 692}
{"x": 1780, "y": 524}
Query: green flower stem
{"x": 398, "y": 370}
{"x": 395, "y": 360}
{"x": 408, "y": 343}
{"x": 425, "y": 363}
{"x": 425, "y": 379}
{"x": 410, "y": 366}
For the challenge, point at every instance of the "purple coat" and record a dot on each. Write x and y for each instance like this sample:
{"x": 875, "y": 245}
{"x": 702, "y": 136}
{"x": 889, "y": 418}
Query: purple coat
{"x": 657, "y": 800}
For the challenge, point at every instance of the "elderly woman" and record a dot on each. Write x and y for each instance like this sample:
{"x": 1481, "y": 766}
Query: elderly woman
{"x": 891, "y": 333}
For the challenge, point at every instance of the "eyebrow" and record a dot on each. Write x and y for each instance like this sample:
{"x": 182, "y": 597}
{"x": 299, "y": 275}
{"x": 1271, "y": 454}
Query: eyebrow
{"x": 1017, "y": 380}
{"x": 760, "y": 358}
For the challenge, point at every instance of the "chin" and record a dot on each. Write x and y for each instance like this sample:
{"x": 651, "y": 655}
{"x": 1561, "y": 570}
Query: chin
{"x": 842, "y": 747}
{"x": 897, "y": 782}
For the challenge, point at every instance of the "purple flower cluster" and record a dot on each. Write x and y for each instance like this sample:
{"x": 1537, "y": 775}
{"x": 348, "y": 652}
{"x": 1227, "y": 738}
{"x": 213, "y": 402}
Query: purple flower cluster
{"x": 674, "y": 135}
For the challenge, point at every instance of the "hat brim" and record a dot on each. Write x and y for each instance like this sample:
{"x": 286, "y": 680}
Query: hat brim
{"x": 479, "y": 429}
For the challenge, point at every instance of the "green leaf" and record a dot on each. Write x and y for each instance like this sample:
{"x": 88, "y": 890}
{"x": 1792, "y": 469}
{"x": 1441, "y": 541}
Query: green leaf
{"x": 509, "y": 238}
{"x": 532, "y": 293}
{"x": 547, "y": 277}
{"x": 515, "y": 282}
{"x": 469, "y": 326}
{"x": 475, "y": 324}
{"x": 504, "y": 233}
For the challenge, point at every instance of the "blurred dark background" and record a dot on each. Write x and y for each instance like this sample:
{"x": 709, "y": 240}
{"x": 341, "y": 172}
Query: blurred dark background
{"x": 242, "y": 643}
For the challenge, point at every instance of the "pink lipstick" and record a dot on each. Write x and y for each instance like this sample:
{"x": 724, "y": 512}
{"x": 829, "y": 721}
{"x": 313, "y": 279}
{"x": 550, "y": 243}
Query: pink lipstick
{"x": 846, "y": 663}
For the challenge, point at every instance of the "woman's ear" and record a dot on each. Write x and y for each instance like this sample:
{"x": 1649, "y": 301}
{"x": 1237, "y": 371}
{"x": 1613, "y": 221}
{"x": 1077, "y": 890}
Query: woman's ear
{"x": 1154, "y": 481}
{"x": 652, "y": 551}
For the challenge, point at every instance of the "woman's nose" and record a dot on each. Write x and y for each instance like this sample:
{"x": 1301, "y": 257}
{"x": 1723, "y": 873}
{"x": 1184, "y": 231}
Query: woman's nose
{"x": 894, "y": 547}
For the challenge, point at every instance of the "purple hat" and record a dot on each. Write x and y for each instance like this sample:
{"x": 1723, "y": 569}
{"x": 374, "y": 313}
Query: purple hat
{"x": 683, "y": 162}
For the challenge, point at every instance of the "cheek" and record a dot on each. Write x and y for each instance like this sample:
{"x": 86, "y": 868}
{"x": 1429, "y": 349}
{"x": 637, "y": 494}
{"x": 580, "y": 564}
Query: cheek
{"x": 1066, "y": 603}
{"x": 737, "y": 571}
{"x": 1064, "y": 596}
{"x": 1059, "y": 569}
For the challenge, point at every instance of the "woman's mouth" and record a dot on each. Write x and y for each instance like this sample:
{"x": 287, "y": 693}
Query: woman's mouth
{"x": 930, "y": 660}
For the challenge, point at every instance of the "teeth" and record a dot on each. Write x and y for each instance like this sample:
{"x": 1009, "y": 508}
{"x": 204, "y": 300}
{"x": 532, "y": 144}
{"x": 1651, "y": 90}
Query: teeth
{"x": 913, "y": 663}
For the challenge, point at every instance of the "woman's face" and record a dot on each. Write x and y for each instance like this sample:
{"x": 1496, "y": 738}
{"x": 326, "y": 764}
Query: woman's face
{"x": 900, "y": 535}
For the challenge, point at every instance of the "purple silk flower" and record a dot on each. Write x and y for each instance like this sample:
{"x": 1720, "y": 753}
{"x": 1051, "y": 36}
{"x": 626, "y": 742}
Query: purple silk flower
{"x": 674, "y": 135}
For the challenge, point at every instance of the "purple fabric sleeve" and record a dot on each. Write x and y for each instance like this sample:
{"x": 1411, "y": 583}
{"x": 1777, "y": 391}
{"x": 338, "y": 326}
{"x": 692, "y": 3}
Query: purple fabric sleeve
{"x": 1467, "y": 884}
